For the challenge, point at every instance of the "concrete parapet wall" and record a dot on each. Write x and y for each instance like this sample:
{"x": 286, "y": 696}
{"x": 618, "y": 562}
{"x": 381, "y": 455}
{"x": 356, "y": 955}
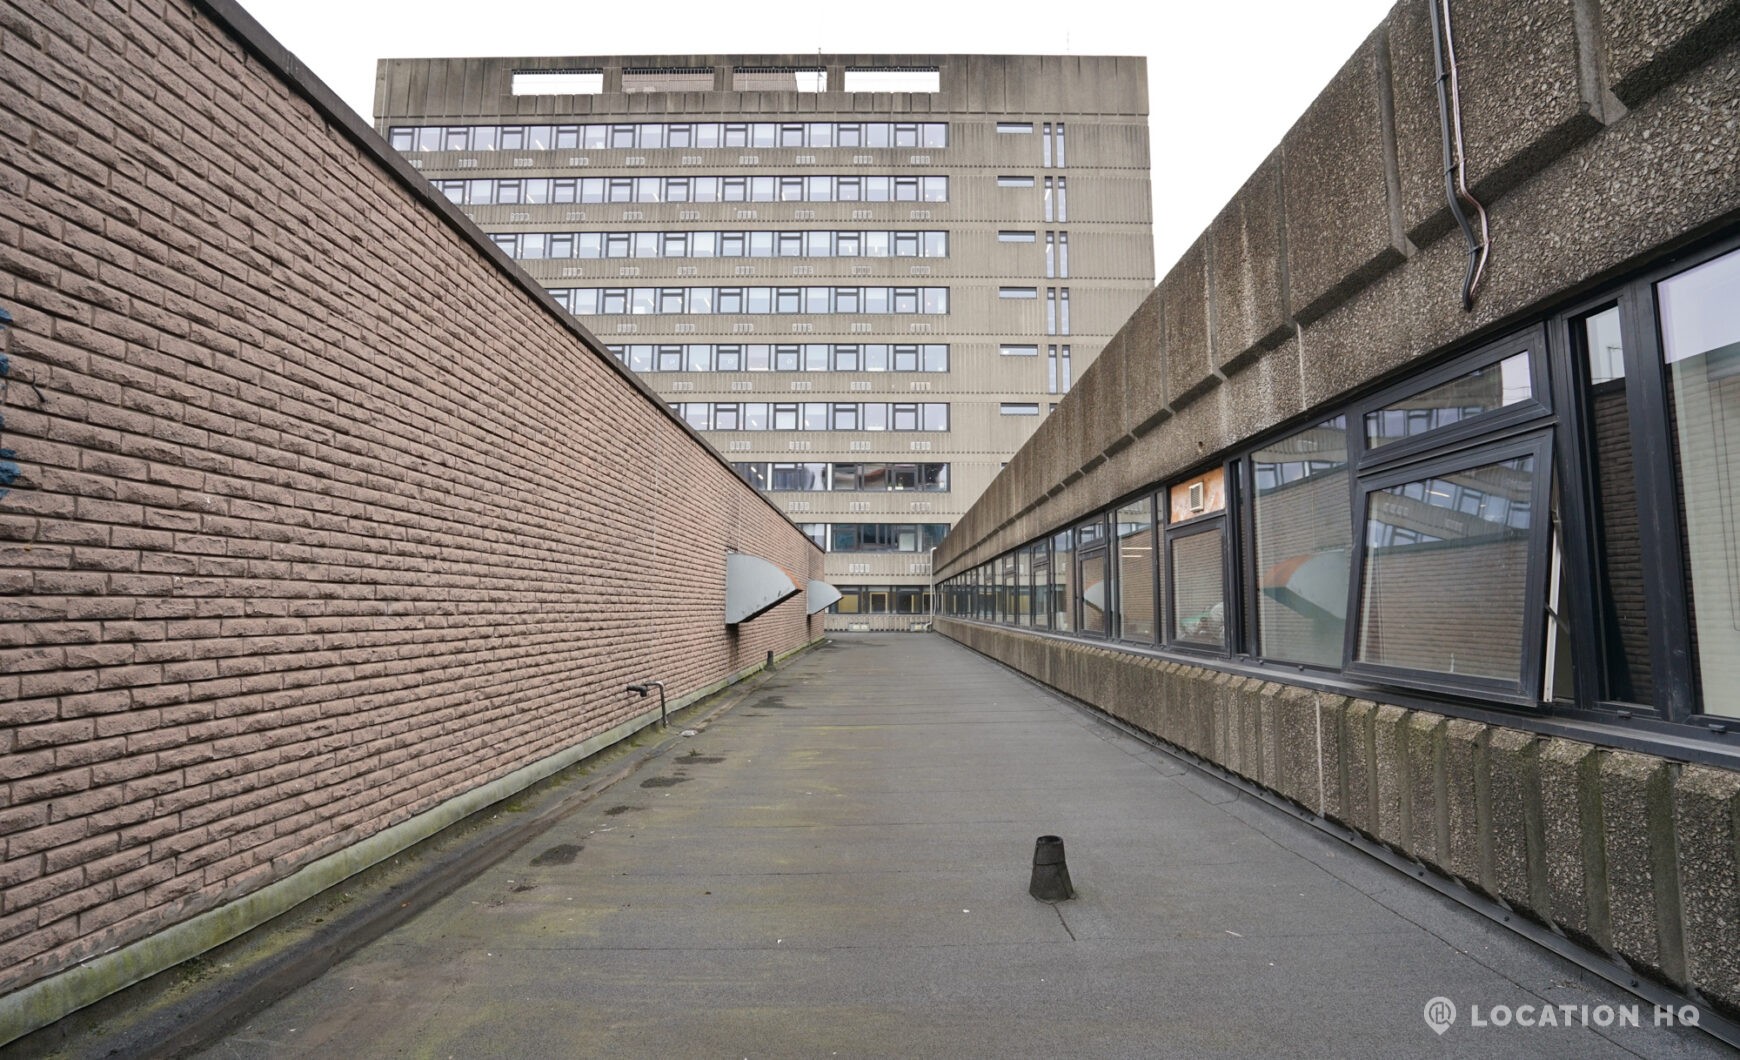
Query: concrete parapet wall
{"x": 1630, "y": 854}
{"x": 317, "y": 514}
{"x": 1596, "y": 135}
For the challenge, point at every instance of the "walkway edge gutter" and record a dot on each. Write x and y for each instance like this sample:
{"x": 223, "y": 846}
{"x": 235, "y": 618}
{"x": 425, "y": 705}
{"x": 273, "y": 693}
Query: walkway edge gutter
{"x": 49, "y": 1000}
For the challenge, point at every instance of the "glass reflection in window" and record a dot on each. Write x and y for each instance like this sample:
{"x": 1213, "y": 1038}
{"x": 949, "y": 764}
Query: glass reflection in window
{"x": 1134, "y": 531}
{"x": 1624, "y": 619}
{"x": 1700, "y": 333}
{"x": 1303, "y": 539}
{"x": 1094, "y": 588}
{"x": 1483, "y": 390}
{"x": 1446, "y": 571}
{"x": 1198, "y": 590}
{"x": 1062, "y": 567}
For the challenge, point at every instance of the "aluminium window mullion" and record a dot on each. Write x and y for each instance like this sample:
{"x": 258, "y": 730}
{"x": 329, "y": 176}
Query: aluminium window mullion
{"x": 1665, "y": 582}
{"x": 1242, "y": 542}
{"x": 1576, "y": 516}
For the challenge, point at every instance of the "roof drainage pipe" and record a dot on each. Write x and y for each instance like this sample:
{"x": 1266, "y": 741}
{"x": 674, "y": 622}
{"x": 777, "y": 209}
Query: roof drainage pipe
{"x": 1456, "y": 191}
{"x": 648, "y": 686}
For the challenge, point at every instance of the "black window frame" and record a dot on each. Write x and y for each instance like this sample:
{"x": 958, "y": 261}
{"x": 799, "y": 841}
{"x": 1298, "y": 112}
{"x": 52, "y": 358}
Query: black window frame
{"x": 1099, "y": 548}
{"x": 1666, "y": 581}
{"x": 1247, "y": 559}
{"x": 1531, "y": 340}
{"x": 1525, "y": 691}
{"x": 1151, "y": 499}
{"x": 1212, "y": 523}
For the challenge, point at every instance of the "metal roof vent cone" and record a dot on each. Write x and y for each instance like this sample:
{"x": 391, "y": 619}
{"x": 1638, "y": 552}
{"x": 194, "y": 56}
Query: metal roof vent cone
{"x": 1050, "y": 881}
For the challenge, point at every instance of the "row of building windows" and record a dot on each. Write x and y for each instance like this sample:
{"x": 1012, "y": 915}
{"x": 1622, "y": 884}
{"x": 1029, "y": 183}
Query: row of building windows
{"x": 785, "y": 357}
{"x": 665, "y": 244}
{"x": 1057, "y": 311}
{"x": 1057, "y": 370}
{"x": 656, "y": 135}
{"x": 814, "y": 415}
{"x": 516, "y": 191}
{"x": 1546, "y": 522}
{"x": 1460, "y": 531}
{"x": 1052, "y": 145}
{"x": 881, "y": 600}
{"x": 845, "y": 478}
{"x": 875, "y": 537}
{"x": 608, "y": 301}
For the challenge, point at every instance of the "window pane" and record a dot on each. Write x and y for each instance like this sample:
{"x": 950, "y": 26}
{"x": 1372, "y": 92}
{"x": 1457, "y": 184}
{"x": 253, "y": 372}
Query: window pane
{"x": 1304, "y": 538}
{"x": 1446, "y": 571}
{"x": 1198, "y": 603}
{"x": 1135, "y": 530}
{"x": 1625, "y": 630}
{"x": 1483, "y": 390}
{"x": 1093, "y": 592}
{"x": 1041, "y": 585}
{"x": 1062, "y": 567}
{"x": 1700, "y": 331}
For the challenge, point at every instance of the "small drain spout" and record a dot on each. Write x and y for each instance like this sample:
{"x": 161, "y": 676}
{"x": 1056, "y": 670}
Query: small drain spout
{"x": 644, "y": 688}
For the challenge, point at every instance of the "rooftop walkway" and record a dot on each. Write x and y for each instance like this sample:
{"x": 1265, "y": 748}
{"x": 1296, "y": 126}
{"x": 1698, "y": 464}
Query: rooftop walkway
{"x": 839, "y": 865}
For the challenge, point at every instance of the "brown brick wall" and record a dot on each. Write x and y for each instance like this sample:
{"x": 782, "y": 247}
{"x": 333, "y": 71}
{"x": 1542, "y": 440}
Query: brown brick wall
{"x": 320, "y": 517}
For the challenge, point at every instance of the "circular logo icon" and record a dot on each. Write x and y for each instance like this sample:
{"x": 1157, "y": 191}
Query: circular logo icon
{"x": 1440, "y": 1014}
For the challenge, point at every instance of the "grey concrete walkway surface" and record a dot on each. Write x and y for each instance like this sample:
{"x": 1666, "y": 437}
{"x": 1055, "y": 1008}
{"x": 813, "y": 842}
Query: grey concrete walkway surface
{"x": 839, "y": 867}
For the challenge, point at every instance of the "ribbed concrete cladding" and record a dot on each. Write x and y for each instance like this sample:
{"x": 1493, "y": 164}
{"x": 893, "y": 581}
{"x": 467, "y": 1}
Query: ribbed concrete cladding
{"x": 750, "y": 211}
{"x": 450, "y": 89}
{"x": 1468, "y": 563}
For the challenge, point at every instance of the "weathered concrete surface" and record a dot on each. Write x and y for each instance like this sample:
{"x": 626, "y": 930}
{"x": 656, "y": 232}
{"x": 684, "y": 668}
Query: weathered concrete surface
{"x": 1343, "y": 266}
{"x": 840, "y": 865}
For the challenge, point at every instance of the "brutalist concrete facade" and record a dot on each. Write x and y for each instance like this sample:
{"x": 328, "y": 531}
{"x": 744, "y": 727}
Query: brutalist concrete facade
{"x": 1600, "y": 138}
{"x": 320, "y": 528}
{"x": 1059, "y": 210}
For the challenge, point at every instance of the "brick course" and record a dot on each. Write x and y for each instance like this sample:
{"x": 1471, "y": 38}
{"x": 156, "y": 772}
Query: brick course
{"x": 322, "y": 517}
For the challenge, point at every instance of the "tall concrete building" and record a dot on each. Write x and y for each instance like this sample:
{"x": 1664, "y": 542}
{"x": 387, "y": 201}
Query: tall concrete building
{"x": 865, "y": 279}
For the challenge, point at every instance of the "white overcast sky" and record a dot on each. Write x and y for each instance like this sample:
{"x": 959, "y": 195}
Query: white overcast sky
{"x": 1226, "y": 77}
